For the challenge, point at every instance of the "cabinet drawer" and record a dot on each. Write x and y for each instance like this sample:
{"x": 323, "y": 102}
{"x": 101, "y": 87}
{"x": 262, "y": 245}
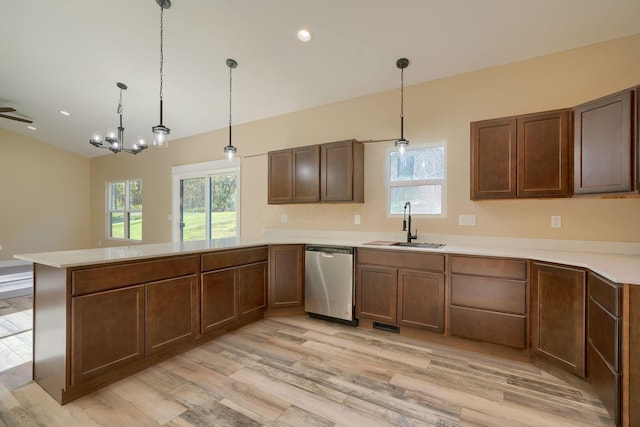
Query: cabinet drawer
{"x": 225, "y": 259}
{"x": 509, "y": 296}
{"x": 605, "y": 382}
{"x": 98, "y": 279}
{"x": 493, "y": 267}
{"x": 606, "y": 293}
{"x": 402, "y": 259}
{"x": 604, "y": 332}
{"x": 487, "y": 326}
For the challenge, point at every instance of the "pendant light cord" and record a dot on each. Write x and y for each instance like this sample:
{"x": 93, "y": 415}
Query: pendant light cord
{"x": 402, "y": 103}
{"x": 230, "y": 87}
{"x": 161, "y": 49}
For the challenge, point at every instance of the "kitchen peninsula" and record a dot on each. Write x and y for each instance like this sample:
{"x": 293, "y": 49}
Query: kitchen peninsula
{"x": 166, "y": 298}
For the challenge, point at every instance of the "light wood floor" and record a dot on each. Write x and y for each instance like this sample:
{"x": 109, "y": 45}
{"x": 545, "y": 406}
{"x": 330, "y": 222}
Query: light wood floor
{"x": 305, "y": 372}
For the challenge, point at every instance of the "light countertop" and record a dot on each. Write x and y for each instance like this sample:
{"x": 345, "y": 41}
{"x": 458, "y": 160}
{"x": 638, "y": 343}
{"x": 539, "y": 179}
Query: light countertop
{"x": 619, "y": 263}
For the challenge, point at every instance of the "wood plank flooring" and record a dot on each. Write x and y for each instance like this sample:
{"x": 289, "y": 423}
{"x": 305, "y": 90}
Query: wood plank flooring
{"x": 297, "y": 371}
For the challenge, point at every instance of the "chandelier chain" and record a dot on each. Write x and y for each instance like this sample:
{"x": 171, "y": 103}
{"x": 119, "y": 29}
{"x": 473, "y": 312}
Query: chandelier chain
{"x": 120, "y": 103}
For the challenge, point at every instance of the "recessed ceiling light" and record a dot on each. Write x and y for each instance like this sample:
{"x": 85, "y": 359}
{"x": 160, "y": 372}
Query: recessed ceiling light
{"x": 304, "y": 35}
{"x": 31, "y": 127}
{"x": 64, "y": 113}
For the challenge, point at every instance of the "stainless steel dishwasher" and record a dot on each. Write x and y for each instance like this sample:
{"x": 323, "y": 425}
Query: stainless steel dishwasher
{"x": 329, "y": 290}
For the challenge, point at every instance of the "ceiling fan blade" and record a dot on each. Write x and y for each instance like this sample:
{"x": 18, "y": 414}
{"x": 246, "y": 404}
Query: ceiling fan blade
{"x": 18, "y": 119}
{"x": 7, "y": 110}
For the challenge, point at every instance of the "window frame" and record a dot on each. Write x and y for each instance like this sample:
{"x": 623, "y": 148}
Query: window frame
{"x": 202, "y": 170}
{"x": 442, "y": 182}
{"x": 126, "y": 212}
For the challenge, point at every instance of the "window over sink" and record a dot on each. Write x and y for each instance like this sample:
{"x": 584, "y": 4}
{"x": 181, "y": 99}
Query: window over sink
{"x": 418, "y": 176}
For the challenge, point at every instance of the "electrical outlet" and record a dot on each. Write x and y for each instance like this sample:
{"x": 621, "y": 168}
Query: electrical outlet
{"x": 556, "y": 221}
{"x": 284, "y": 218}
{"x": 467, "y": 220}
{"x": 356, "y": 219}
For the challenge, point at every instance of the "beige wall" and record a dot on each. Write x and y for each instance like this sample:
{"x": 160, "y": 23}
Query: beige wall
{"x": 434, "y": 111}
{"x": 45, "y": 197}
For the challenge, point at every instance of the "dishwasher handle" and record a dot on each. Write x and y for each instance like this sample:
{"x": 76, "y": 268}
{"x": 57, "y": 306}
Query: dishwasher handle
{"x": 329, "y": 249}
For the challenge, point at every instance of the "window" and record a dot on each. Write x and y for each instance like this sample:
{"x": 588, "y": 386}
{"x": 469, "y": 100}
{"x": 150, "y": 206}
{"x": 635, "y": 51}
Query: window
{"x": 125, "y": 209}
{"x": 417, "y": 176}
{"x": 206, "y": 201}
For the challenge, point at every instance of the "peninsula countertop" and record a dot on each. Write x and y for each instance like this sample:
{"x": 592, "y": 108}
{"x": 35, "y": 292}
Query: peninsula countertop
{"x": 617, "y": 267}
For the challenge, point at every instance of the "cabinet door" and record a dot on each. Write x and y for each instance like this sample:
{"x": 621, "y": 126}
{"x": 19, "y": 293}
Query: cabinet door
{"x": 377, "y": 293}
{"x": 280, "y": 176}
{"x": 543, "y": 154}
{"x": 171, "y": 313}
{"x": 252, "y": 289}
{"x": 219, "y": 299}
{"x": 341, "y": 174}
{"x": 107, "y": 332}
{"x": 558, "y": 316}
{"x": 602, "y": 145}
{"x": 421, "y": 299}
{"x": 493, "y": 159}
{"x": 306, "y": 174}
{"x": 286, "y": 276}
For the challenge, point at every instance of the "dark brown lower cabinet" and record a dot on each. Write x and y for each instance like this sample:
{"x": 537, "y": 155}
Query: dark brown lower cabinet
{"x": 631, "y": 357}
{"x": 171, "y": 312}
{"x": 107, "y": 332}
{"x": 558, "y": 334}
{"x": 252, "y": 289}
{"x": 489, "y": 300}
{"x": 401, "y": 288}
{"x": 377, "y": 293}
{"x": 219, "y": 299}
{"x": 231, "y": 294}
{"x": 604, "y": 326}
{"x": 421, "y": 299}
{"x": 286, "y": 276}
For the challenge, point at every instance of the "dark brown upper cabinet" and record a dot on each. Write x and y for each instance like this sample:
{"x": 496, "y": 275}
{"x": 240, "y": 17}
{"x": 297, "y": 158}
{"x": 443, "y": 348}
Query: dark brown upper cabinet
{"x": 324, "y": 173}
{"x": 521, "y": 156}
{"x": 603, "y": 145}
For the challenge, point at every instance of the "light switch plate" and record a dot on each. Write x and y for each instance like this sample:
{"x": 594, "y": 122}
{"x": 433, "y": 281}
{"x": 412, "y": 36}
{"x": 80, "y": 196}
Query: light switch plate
{"x": 556, "y": 221}
{"x": 356, "y": 219}
{"x": 284, "y": 218}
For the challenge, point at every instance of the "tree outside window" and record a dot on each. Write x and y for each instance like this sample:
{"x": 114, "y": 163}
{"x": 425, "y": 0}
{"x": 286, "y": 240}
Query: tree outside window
{"x": 417, "y": 176}
{"x": 125, "y": 210}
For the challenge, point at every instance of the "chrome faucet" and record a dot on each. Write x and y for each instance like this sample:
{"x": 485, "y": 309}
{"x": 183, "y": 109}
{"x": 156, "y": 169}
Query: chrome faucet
{"x": 410, "y": 236}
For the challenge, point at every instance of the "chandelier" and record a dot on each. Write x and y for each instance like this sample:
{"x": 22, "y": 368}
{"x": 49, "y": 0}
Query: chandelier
{"x": 115, "y": 139}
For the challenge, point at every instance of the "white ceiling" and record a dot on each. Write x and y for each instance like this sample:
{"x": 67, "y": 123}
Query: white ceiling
{"x": 69, "y": 55}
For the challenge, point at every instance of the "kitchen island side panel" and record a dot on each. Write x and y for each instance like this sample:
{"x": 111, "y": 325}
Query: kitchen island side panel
{"x": 50, "y": 328}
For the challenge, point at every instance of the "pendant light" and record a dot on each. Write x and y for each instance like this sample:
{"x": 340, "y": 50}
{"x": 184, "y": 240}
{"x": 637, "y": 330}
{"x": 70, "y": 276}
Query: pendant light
{"x": 402, "y": 143}
{"x": 116, "y": 140}
{"x": 160, "y": 132}
{"x": 230, "y": 150}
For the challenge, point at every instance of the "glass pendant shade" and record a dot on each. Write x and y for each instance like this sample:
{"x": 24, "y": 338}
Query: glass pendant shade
{"x": 230, "y": 152}
{"x": 160, "y": 135}
{"x": 401, "y": 145}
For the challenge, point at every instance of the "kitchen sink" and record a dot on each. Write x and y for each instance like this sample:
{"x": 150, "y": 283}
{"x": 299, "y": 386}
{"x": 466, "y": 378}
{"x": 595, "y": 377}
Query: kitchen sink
{"x": 420, "y": 245}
